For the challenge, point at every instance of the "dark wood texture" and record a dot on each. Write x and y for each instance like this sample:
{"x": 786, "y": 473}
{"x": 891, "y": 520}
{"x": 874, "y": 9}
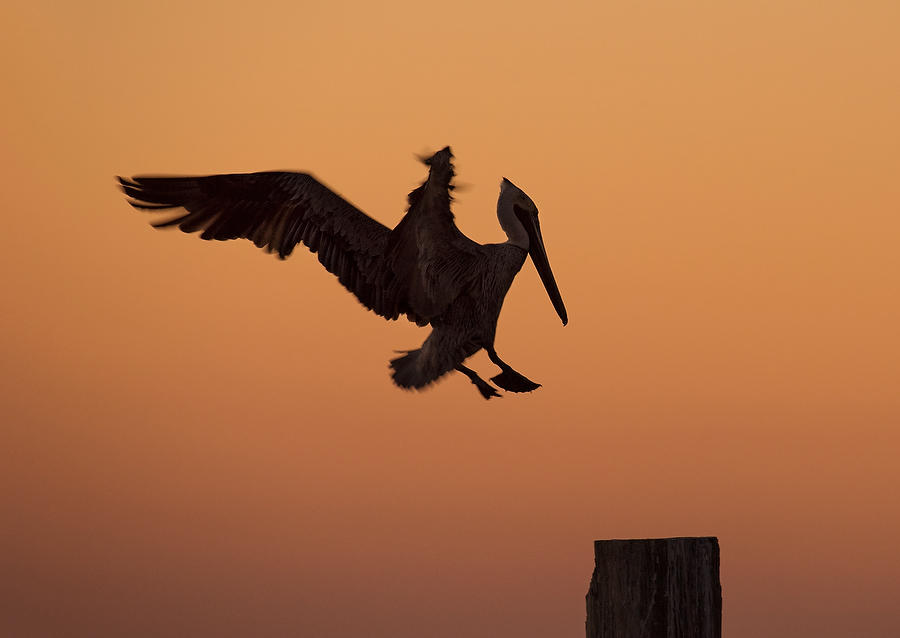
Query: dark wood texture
{"x": 655, "y": 588}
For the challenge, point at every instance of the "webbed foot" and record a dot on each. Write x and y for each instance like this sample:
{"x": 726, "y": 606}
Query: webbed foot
{"x": 512, "y": 381}
{"x": 485, "y": 388}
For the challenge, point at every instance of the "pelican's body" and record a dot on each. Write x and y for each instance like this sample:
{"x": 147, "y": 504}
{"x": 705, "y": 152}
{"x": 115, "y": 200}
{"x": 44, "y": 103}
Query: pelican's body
{"x": 424, "y": 268}
{"x": 468, "y": 324}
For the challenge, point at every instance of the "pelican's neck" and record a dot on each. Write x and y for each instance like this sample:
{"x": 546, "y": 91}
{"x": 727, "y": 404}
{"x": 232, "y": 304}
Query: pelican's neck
{"x": 509, "y": 222}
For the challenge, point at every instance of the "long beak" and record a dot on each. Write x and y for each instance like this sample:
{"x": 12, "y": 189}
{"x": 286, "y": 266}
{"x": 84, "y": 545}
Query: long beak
{"x": 539, "y": 257}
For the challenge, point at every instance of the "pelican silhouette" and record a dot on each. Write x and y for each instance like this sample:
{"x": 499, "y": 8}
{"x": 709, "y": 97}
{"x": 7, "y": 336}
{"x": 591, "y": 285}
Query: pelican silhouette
{"x": 425, "y": 268}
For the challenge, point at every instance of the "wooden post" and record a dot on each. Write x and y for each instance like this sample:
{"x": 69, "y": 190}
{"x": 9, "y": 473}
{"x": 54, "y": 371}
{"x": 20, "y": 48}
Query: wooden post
{"x": 655, "y": 588}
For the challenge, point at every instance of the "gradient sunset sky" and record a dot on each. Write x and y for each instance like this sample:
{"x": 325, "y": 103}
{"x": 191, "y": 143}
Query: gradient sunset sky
{"x": 200, "y": 440}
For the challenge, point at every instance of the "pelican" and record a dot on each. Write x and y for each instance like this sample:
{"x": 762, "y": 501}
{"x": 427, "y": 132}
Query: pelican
{"x": 425, "y": 268}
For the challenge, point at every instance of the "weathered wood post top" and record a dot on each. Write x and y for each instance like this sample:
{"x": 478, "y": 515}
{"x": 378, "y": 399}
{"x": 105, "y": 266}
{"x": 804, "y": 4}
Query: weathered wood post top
{"x": 655, "y": 588}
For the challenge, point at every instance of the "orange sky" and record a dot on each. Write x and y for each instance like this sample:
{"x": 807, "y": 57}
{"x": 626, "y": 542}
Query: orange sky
{"x": 200, "y": 440}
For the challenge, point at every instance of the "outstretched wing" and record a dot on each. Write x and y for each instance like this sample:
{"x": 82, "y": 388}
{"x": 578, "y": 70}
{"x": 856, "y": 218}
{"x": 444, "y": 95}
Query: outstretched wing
{"x": 426, "y": 251}
{"x": 277, "y": 211}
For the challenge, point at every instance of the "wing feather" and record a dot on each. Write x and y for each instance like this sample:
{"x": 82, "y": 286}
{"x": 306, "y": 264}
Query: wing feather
{"x": 277, "y": 211}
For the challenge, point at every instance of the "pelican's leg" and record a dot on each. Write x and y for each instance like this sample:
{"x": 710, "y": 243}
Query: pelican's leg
{"x": 509, "y": 379}
{"x": 486, "y": 389}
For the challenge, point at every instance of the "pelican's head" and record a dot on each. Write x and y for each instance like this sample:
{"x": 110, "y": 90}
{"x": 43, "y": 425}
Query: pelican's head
{"x": 518, "y": 217}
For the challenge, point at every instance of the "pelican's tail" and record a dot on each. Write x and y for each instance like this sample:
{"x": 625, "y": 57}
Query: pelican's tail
{"x": 442, "y": 351}
{"x": 405, "y": 371}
